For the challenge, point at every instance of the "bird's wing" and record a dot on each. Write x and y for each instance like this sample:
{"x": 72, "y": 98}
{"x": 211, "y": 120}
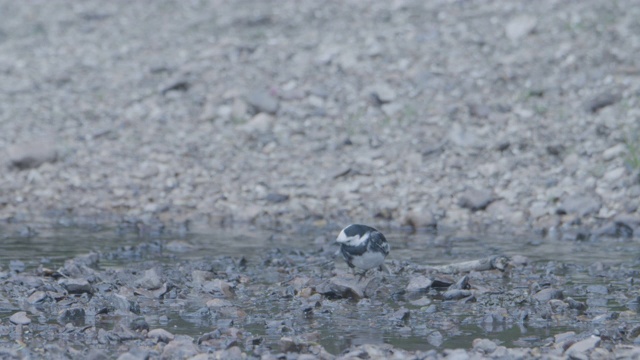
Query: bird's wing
{"x": 378, "y": 242}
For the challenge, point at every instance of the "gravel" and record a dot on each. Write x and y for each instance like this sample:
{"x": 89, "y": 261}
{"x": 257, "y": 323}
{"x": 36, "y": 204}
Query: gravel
{"x": 173, "y": 116}
{"x": 210, "y": 114}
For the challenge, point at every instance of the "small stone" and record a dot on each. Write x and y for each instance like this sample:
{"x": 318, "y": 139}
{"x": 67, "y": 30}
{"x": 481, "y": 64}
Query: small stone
{"x": 160, "y": 335}
{"x": 259, "y": 124}
{"x": 150, "y": 280}
{"x": 598, "y": 289}
{"x": 520, "y": 27}
{"x": 20, "y": 318}
{"x": 602, "y": 100}
{"x": 73, "y": 315}
{"x": 614, "y": 174}
{"x": 76, "y": 286}
{"x": 547, "y": 294}
{"x": 276, "y": 198}
{"x": 382, "y": 93}
{"x": 401, "y": 314}
{"x": 30, "y": 155}
{"x": 420, "y": 219}
{"x": 419, "y": 283}
{"x": 38, "y": 297}
{"x": 582, "y": 348}
{"x": 614, "y": 152}
{"x": 582, "y": 205}
{"x": 219, "y": 286}
{"x": 485, "y": 346}
{"x": 179, "y": 349}
{"x": 475, "y": 200}
{"x": 120, "y": 302}
{"x": 262, "y": 101}
{"x": 216, "y": 303}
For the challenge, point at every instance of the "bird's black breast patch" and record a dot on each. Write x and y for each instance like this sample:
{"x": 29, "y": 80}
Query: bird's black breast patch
{"x": 348, "y": 252}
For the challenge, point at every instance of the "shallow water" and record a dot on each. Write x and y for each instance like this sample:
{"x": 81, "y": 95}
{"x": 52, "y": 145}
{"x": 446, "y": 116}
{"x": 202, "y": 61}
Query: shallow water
{"x": 357, "y": 325}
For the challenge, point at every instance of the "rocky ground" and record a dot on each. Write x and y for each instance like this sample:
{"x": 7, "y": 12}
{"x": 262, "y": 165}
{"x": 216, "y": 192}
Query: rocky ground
{"x": 515, "y": 117}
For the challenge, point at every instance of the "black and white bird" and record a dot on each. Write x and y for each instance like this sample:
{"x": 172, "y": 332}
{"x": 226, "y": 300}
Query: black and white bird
{"x": 363, "y": 247}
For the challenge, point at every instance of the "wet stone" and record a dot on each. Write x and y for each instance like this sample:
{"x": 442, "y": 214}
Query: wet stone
{"x": 160, "y": 335}
{"x": 20, "y": 318}
{"x": 597, "y": 289}
{"x": 485, "y": 346}
{"x": 76, "y": 286}
{"x": 150, "y": 280}
{"x": 73, "y": 315}
{"x": 581, "y": 349}
{"x": 545, "y": 295}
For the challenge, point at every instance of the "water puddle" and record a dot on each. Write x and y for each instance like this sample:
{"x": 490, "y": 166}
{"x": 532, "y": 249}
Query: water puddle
{"x": 338, "y": 328}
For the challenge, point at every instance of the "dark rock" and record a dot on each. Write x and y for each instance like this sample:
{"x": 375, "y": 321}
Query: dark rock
{"x": 73, "y": 315}
{"x": 475, "y": 200}
{"x": 602, "y": 100}
{"x": 220, "y": 287}
{"x": 139, "y": 324}
{"x": 580, "y": 204}
{"x": 574, "y": 304}
{"x": 76, "y": 286}
{"x": 176, "y": 85}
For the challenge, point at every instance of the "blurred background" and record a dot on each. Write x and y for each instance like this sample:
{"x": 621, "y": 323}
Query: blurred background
{"x": 477, "y": 115}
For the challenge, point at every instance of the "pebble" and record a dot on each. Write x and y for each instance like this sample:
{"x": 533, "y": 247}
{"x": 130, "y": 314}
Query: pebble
{"x": 262, "y": 101}
{"x": 485, "y": 346}
{"x": 32, "y": 154}
{"x": 419, "y": 283}
{"x": 76, "y": 286}
{"x": 20, "y": 318}
{"x": 614, "y": 152}
{"x": 73, "y": 315}
{"x": 160, "y": 335}
{"x": 601, "y": 100}
{"x": 520, "y": 27}
{"x": 581, "y": 349}
{"x": 547, "y": 294}
{"x": 150, "y": 280}
{"x": 475, "y": 200}
{"x": 581, "y": 204}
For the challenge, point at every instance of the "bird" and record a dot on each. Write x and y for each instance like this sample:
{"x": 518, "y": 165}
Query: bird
{"x": 363, "y": 247}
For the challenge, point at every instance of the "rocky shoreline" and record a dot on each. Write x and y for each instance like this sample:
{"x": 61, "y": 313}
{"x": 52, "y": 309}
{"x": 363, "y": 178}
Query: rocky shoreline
{"x": 171, "y": 117}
